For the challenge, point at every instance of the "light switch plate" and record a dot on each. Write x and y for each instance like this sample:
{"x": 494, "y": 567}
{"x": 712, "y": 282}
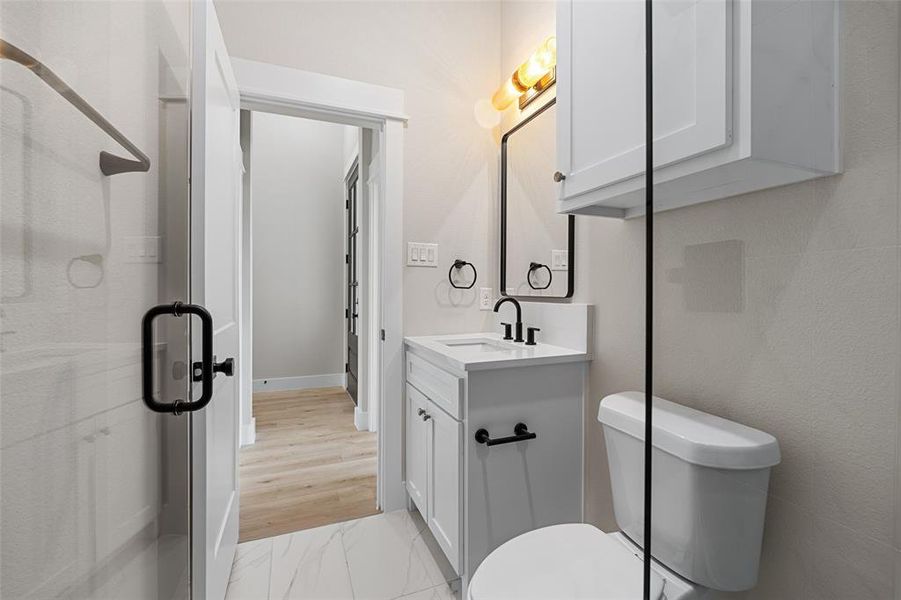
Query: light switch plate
{"x": 422, "y": 255}
{"x": 559, "y": 260}
{"x": 143, "y": 249}
{"x": 485, "y": 299}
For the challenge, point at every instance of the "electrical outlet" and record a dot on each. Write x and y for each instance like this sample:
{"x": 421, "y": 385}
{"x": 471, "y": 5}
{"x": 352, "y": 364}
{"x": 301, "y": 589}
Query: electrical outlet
{"x": 422, "y": 255}
{"x": 485, "y": 299}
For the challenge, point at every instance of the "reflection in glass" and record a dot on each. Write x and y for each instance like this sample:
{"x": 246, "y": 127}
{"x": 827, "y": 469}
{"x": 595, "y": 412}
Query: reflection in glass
{"x": 536, "y": 240}
{"x": 94, "y": 486}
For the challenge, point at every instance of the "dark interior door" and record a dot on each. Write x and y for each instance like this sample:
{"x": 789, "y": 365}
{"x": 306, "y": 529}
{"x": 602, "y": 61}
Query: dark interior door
{"x": 352, "y": 310}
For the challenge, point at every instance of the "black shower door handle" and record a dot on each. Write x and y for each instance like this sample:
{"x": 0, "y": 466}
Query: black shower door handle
{"x": 177, "y": 309}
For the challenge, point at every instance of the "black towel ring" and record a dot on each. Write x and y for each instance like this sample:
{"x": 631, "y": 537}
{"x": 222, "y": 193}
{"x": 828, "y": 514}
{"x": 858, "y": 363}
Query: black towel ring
{"x": 459, "y": 264}
{"x": 534, "y": 267}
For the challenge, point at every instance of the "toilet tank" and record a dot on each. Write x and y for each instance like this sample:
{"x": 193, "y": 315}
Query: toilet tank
{"x": 710, "y": 479}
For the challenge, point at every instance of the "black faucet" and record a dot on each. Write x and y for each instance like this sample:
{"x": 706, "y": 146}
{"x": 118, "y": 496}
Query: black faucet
{"x": 515, "y": 302}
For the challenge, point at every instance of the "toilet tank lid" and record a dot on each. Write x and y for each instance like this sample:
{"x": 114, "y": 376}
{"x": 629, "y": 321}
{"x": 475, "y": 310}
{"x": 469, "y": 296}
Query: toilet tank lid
{"x": 691, "y": 435}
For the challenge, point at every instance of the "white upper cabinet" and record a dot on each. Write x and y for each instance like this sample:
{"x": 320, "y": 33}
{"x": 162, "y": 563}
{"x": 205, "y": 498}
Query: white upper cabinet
{"x": 745, "y": 98}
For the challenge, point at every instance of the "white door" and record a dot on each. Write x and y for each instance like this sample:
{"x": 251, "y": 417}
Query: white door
{"x": 601, "y": 78}
{"x": 215, "y": 252}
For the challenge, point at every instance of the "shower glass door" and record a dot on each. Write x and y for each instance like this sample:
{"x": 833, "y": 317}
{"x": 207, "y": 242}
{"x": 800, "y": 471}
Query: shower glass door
{"x": 777, "y": 294}
{"x": 94, "y": 487}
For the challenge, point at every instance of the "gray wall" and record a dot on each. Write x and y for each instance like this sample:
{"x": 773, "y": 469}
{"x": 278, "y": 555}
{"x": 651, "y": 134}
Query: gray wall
{"x": 298, "y": 247}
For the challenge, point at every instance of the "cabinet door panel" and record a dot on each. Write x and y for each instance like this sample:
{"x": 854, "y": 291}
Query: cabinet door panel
{"x": 127, "y": 495}
{"x": 416, "y": 459}
{"x": 601, "y": 81}
{"x": 445, "y": 485}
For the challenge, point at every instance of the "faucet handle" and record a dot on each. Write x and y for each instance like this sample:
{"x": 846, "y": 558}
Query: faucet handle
{"x": 530, "y": 335}
{"x": 508, "y": 331}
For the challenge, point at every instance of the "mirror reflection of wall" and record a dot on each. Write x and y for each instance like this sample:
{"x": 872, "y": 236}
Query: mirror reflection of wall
{"x": 536, "y": 254}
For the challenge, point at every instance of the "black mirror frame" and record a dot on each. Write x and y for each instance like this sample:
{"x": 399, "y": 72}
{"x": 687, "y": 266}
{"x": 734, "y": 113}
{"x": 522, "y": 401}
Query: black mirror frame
{"x": 571, "y": 224}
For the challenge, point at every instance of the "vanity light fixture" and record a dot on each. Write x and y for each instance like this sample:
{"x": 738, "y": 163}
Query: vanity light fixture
{"x": 532, "y": 77}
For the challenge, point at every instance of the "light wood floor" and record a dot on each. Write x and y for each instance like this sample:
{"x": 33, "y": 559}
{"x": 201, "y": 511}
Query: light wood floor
{"x": 309, "y": 465}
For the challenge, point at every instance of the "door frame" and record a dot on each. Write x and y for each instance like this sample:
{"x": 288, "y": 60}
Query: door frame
{"x": 352, "y": 256}
{"x": 265, "y": 87}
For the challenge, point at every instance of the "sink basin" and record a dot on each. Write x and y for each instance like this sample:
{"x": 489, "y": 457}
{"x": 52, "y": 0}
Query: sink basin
{"x": 481, "y": 351}
{"x": 477, "y": 345}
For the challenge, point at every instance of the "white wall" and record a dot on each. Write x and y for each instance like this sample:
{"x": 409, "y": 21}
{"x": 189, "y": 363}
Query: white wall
{"x": 298, "y": 247}
{"x": 444, "y": 55}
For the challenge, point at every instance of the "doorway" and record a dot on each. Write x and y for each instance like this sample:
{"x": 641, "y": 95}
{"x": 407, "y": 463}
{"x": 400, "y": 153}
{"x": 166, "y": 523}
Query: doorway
{"x": 379, "y": 112}
{"x": 311, "y": 459}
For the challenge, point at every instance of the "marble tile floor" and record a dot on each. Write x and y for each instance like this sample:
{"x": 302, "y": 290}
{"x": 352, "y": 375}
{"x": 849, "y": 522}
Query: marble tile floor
{"x": 381, "y": 557}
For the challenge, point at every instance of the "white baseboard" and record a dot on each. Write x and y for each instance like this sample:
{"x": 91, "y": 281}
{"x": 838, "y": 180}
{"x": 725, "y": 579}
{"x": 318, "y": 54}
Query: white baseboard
{"x": 361, "y": 419}
{"x": 249, "y": 433}
{"x": 301, "y": 382}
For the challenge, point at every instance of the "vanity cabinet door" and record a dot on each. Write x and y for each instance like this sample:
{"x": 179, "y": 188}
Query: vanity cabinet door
{"x": 601, "y": 87}
{"x": 416, "y": 459}
{"x": 445, "y": 486}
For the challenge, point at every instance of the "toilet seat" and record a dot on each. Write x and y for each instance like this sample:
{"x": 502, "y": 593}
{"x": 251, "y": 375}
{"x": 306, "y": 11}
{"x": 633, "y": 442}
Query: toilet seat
{"x": 562, "y": 562}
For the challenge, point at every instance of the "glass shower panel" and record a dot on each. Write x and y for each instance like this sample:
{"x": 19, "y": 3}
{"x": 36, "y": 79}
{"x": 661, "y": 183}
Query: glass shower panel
{"x": 94, "y": 486}
{"x": 777, "y": 297}
{"x": 600, "y": 119}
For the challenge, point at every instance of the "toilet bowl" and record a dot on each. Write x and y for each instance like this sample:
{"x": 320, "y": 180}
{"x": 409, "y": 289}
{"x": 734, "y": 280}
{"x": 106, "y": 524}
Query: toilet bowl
{"x": 710, "y": 479}
{"x": 573, "y": 562}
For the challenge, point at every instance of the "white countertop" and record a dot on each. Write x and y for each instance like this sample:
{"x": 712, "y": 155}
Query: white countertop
{"x": 481, "y": 351}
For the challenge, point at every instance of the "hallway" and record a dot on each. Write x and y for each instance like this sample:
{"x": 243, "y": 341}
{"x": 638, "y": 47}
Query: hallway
{"x": 309, "y": 466}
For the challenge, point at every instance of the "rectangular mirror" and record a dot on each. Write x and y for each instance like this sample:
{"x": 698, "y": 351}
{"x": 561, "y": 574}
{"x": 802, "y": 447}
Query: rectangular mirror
{"x": 537, "y": 244}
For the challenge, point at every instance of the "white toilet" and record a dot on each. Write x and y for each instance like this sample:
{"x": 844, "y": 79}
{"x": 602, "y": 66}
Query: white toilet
{"x": 710, "y": 480}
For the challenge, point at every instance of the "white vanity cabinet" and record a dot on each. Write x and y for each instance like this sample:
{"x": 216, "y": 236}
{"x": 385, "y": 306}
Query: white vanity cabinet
{"x": 475, "y": 497}
{"x": 745, "y": 98}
